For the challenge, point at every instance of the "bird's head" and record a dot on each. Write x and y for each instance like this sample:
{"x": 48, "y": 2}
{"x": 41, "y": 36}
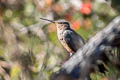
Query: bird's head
{"x": 60, "y": 24}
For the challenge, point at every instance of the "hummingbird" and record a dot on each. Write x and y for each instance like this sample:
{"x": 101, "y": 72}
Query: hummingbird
{"x": 69, "y": 39}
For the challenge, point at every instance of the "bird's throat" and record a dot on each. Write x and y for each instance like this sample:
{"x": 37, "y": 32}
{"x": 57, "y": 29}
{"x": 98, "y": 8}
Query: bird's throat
{"x": 61, "y": 27}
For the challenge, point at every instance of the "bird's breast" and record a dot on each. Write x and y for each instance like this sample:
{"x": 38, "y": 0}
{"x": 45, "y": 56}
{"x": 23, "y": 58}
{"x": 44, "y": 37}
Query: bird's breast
{"x": 63, "y": 42}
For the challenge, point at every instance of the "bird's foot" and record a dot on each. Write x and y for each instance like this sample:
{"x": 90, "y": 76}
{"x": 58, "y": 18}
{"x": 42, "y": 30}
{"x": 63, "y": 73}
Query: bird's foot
{"x": 71, "y": 54}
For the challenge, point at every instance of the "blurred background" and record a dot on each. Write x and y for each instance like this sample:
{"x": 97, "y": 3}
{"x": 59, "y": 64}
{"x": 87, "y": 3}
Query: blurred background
{"x": 29, "y": 48}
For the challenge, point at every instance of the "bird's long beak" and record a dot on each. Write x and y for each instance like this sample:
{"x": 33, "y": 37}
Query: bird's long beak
{"x": 48, "y": 20}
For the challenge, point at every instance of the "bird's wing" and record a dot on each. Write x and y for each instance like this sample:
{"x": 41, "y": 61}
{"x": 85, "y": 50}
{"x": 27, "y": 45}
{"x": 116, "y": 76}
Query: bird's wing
{"x": 73, "y": 40}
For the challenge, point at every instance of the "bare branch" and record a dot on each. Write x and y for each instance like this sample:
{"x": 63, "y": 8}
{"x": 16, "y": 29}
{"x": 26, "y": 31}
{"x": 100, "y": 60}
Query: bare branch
{"x": 35, "y": 29}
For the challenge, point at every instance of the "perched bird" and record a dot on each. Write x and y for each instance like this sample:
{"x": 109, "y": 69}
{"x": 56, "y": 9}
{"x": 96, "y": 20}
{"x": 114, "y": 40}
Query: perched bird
{"x": 70, "y": 40}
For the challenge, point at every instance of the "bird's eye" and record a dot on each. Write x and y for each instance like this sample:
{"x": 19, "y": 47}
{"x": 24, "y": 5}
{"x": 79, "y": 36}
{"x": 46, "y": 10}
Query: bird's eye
{"x": 61, "y": 22}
